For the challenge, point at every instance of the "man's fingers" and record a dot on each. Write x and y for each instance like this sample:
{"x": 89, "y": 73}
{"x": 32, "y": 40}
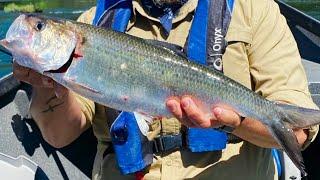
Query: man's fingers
{"x": 192, "y": 114}
{"x": 226, "y": 117}
{"x": 173, "y": 106}
{"x": 196, "y": 115}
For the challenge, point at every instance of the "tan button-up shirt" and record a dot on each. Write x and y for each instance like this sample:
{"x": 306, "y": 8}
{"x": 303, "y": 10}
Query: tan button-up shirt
{"x": 263, "y": 56}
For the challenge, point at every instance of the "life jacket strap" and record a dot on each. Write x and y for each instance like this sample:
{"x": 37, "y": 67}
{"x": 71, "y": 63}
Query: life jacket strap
{"x": 205, "y": 45}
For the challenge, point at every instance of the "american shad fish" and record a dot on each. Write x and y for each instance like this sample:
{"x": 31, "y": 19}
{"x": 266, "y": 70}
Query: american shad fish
{"x": 136, "y": 75}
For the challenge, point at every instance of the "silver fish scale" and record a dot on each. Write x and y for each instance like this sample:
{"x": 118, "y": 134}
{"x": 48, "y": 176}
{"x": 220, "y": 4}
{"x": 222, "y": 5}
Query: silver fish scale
{"x": 136, "y": 76}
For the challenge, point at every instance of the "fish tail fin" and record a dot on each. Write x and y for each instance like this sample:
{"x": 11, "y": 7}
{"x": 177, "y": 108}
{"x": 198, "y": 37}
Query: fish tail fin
{"x": 292, "y": 117}
{"x": 299, "y": 117}
{"x": 288, "y": 141}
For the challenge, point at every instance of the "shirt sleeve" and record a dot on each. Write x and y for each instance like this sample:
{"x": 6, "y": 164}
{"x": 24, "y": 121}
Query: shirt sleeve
{"x": 87, "y": 107}
{"x": 87, "y": 16}
{"x": 275, "y": 62}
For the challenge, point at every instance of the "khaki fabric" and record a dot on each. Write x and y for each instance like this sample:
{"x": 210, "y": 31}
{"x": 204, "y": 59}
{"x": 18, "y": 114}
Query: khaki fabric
{"x": 262, "y": 55}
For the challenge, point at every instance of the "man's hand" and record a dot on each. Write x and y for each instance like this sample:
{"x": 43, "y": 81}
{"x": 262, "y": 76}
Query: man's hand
{"x": 192, "y": 113}
{"x": 37, "y": 80}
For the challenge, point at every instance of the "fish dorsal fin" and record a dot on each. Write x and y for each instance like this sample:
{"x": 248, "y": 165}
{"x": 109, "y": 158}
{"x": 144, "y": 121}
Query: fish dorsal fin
{"x": 176, "y": 49}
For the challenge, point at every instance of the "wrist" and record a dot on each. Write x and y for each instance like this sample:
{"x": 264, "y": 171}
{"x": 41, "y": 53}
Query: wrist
{"x": 230, "y": 129}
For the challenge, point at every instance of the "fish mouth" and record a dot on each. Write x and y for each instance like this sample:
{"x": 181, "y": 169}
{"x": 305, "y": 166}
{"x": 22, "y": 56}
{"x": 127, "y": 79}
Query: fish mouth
{"x": 5, "y": 47}
{"x": 4, "y": 43}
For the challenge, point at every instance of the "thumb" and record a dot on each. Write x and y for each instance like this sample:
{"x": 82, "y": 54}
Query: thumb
{"x": 227, "y": 117}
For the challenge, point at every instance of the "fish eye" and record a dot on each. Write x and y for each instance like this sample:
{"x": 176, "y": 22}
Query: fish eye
{"x": 40, "y": 26}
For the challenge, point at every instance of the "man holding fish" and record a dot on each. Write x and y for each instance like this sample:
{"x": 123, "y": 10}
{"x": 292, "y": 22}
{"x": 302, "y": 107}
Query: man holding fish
{"x": 260, "y": 53}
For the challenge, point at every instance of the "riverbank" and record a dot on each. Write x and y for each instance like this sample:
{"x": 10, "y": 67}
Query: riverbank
{"x": 28, "y": 7}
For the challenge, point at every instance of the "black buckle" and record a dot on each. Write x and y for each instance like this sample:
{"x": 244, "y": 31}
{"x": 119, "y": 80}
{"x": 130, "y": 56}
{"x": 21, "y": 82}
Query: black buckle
{"x": 167, "y": 142}
{"x": 233, "y": 139}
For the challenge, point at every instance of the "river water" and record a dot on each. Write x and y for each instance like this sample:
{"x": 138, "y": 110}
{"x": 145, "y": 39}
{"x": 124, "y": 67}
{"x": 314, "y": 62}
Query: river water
{"x": 73, "y": 8}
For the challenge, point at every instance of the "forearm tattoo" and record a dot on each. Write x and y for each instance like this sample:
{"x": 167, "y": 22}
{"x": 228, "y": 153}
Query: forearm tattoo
{"x": 53, "y": 102}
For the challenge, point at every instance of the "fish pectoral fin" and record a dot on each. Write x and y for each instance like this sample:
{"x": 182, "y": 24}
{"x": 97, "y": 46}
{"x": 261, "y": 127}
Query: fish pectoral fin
{"x": 143, "y": 123}
{"x": 299, "y": 117}
{"x": 288, "y": 141}
{"x": 148, "y": 118}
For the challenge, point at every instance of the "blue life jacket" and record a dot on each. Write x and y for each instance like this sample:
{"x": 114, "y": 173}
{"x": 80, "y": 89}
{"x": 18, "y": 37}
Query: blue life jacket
{"x": 205, "y": 45}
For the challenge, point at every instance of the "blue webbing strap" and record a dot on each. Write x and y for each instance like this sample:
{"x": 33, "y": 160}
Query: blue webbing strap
{"x": 230, "y": 5}
{"x": 217, "y": 30}
{"x": 122, "y": 16}
{"x": 276, "y": 156}
{"x": 113, "y": 14}
{"x": 209, "y": 27}
{"x": 102, "y": 6}
{"x": 196, "y": 49}
{"x": 133, "y": 150}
